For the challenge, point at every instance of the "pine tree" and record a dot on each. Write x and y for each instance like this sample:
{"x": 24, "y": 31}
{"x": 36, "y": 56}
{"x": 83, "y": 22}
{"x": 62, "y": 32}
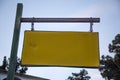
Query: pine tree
{"x": 4, "y": 64}
{"x": 18, "y": 69}
{"x": 82, "y": 75}
{"x": 110, "y": 67}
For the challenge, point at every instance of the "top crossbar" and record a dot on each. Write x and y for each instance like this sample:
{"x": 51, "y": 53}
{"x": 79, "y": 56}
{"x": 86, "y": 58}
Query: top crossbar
{"x": 62, "y": 20}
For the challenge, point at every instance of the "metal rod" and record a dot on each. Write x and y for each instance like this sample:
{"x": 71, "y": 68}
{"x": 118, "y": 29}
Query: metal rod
{"x": 32, "y": 25}
{"x": 91, "y": 26}
{"x": 77, "y": 20}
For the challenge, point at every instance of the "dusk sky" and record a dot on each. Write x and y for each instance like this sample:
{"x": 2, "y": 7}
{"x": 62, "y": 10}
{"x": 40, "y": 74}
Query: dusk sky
{"x": 107, "y": 10}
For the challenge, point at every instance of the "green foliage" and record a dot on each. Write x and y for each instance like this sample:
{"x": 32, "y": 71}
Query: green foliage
{"x": 114, "y": 47}
{"x": 18, "y": 69}
{"x": 107, "y": 67}
{"x": 110, "y": 67}
{"x": 4, "y": 64}
{"x": 82, "y": 75}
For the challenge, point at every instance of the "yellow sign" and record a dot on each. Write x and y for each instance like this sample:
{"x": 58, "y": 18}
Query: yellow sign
{"x": 50, "y": 48}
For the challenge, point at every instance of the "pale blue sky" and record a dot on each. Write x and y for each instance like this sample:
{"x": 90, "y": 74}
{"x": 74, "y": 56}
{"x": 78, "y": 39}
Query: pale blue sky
{"x": 109, "y": 26}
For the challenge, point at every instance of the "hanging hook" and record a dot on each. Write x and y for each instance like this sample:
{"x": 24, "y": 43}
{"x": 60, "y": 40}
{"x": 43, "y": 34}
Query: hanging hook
{"x": 32, "y": 25}
{"x": 91, "y": 25}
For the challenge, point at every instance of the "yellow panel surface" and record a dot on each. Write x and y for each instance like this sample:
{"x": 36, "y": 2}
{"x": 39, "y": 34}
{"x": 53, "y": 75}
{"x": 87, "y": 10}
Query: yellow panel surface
{"x": 47, "y": 48}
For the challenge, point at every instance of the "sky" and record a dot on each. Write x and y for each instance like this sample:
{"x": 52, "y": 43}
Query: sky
{"x": 107, "y": 10}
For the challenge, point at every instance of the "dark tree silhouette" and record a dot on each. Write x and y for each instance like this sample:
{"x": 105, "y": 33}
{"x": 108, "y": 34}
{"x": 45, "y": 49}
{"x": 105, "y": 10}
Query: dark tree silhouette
{"x": 82, "y": 75}
{"x": 114, "y": 47}
{"x": 107, "y": 67}
{"x": 18, "y": 69}
{"x": 110, "y": 67}
{"x": 4, "y": 64}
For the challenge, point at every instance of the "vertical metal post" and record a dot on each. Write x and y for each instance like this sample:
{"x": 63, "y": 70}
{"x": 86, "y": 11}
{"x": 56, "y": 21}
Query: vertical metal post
{"x": 14, "y": 48}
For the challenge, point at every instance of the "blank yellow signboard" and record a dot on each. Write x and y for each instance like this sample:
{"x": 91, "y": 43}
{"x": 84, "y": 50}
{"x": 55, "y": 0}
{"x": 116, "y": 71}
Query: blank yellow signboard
{"x": 50, "y": 48}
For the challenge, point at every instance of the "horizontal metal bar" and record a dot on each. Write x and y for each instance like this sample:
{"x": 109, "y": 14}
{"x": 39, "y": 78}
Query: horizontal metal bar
{"x": 85, "y": 20}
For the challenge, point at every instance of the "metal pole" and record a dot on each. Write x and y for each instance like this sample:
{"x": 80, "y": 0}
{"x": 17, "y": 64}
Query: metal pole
{"x": 73, "y": 20}
{"x": 14, "y": 48}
